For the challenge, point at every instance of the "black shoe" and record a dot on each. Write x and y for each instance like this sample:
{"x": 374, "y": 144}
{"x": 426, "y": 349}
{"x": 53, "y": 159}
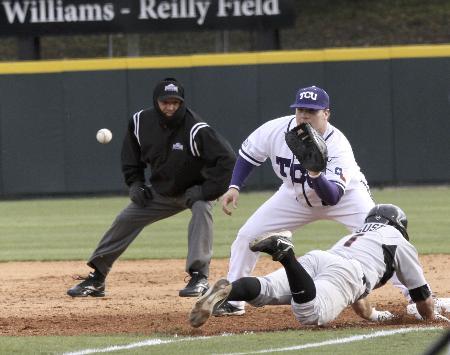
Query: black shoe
{"x": 276, "y": 244}
{"x": 91, "y": 286}
{"x": 203, "y": 308}
{"x": 227, "y": 309}
{"x": 197, "y": 286}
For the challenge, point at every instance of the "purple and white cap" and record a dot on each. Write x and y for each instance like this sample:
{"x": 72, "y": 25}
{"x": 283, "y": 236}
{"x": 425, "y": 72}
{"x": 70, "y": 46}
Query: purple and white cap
{"x": 311, "y": 97}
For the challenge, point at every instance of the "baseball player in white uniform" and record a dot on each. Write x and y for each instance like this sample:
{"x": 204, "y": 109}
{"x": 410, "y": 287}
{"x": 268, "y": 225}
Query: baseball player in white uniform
{"x": 320, "y": 284}
{"x": 339, "y": 193}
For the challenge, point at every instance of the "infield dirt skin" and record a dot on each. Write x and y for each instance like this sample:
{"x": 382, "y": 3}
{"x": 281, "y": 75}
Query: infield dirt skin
{"x": 142, "y": 297}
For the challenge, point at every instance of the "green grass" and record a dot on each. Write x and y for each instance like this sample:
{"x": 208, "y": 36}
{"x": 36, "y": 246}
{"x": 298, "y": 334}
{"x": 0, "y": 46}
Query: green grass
{"x": 69, "y": 229}
{"x": 408, "y": 344}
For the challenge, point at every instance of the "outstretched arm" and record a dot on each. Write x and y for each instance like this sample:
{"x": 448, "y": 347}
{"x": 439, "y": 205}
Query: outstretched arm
{"x": 426, "y": 308}
{"x": 364, "y": 309}
{"x": 328, "y": 191}
{"x": 241, "y": 170}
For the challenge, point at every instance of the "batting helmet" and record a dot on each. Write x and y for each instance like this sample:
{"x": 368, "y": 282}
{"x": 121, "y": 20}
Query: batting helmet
{"x": 391, "y": 215}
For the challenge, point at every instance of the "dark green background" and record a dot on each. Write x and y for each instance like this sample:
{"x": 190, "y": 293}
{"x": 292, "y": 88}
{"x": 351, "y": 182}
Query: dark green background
{"x": 395, "y": 113}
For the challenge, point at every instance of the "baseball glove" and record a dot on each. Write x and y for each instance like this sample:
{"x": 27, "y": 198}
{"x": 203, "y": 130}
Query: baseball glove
{"x": 308, "y": 147}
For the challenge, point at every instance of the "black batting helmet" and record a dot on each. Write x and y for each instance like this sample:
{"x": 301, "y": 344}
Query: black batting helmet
{"x": 391, "y": 215}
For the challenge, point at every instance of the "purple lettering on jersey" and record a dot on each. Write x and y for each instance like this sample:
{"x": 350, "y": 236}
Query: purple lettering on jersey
{"x": 298, "y": 174}
{"x": 283, "y": 163}
{"x": 296, "y": 171}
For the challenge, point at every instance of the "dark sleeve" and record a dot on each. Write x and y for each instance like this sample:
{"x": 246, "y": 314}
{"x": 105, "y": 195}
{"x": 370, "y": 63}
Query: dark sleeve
{"x": 219, "y": 160}
{"x": 132, "y": 166}
{"x": 328, "y": 191}
{"x": 420, "y": 293}
{"x": 241, "y": 171}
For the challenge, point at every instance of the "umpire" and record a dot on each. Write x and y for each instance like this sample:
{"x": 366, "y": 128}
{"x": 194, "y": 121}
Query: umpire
{"x": 190, "y": 166}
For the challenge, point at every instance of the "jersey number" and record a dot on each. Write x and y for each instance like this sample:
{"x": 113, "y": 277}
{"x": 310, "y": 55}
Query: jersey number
{"x": 352, "y": 239}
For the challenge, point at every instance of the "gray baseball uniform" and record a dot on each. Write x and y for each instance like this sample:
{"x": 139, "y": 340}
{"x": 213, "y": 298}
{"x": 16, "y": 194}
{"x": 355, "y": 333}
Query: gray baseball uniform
{"x": 351, "y": 269}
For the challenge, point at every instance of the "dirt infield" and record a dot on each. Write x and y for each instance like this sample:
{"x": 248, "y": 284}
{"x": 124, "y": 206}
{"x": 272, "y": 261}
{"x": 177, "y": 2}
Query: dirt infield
{"x": 142, "y": 297}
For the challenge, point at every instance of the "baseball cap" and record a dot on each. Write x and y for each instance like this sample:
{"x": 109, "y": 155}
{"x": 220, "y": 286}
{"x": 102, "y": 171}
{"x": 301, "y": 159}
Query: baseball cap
{"x": 169, "y": 88}
{"x": 311, "y": 97}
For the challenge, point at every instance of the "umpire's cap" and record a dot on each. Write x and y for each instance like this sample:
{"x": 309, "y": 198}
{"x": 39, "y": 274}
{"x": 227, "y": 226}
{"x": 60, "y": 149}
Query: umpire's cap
{"x": 169, "y": 88}
{"x": 311, "y": 97}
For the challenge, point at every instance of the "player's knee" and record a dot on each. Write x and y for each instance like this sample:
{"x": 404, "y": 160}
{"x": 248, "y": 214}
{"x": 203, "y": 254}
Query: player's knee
{"x": 201, "y": 206}
{"x": 305, "y": 313}
{"x": 124, "y": 218}
{"x": 307, "y": 320}
{"x": 246, "y": 235}
{"x": 245, "y": 289}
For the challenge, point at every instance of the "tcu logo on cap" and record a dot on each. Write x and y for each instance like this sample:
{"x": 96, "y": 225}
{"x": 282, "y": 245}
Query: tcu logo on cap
{"x": 307, "y": 95}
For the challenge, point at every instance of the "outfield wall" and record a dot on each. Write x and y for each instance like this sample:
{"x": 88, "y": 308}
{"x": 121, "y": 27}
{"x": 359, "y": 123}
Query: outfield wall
{"x": 393, "y": 103}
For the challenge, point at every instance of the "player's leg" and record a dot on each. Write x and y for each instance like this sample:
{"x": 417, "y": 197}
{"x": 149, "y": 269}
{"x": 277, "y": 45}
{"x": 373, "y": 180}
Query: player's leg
{"x": 338, "y": 282}
{"x": 259, "y": 291}
{"x": 301, "y": 284}
{"x": 127, "y": 225}
{"x": 280, "y": 212}
{"x": 321, "y": 284}
{"x": 244, "y": 289}
{"x": 200, "y": 241}
{"x": 274, "y": 289}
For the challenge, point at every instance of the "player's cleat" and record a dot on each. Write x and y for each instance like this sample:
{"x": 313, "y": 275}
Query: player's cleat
{"x": 227, "y": 309}
{"x": 197, "y": 286}
{"x": 275, "y": 244}
{"x": 91, "y": 286}
{"x": 203, "y": 308}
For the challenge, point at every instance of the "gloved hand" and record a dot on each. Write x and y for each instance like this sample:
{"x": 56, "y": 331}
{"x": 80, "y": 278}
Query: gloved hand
{"x": 381, "y": 316}
{"x": 140, "y": 193}
{"x": 308, "y": 146}
{"x": 193, "y": 194}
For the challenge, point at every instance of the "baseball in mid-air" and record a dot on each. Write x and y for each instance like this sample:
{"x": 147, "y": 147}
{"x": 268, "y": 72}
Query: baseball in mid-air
{"x": 104, "y": 136}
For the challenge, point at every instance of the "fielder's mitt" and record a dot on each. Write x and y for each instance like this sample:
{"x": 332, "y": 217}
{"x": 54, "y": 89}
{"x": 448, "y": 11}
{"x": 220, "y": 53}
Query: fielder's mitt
{"x": 308, "y": 147}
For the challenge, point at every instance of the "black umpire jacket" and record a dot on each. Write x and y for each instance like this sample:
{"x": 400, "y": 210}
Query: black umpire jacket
{"x": 181, "y": 152}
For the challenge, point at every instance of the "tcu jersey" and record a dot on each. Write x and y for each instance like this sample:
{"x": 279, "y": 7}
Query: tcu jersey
{"x": 296, "y": 204}
{"x": 348, "y": 271}
{"x": 268, "y": 142}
